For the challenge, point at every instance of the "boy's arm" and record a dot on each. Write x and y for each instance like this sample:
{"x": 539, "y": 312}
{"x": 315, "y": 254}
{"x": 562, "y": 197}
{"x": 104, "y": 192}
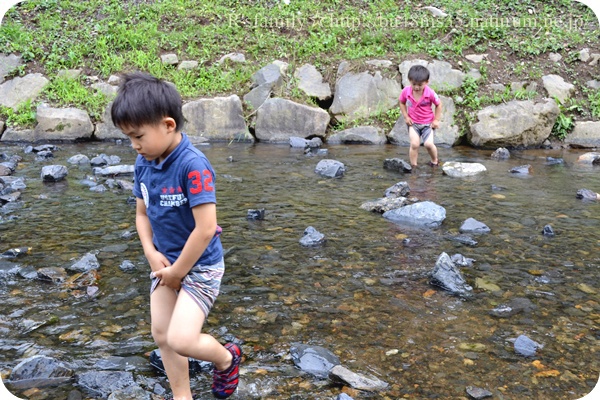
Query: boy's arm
{"x": 404, "y": 111}
{"x": 155, "y": 258}
{"x": 437, "y": 116}
{"x": 205, "y": 217}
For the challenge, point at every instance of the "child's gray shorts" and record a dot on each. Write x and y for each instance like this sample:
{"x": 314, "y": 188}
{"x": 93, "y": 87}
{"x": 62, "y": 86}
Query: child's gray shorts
{"x": 423, "y": 130}
{"x": 202, "y": 283}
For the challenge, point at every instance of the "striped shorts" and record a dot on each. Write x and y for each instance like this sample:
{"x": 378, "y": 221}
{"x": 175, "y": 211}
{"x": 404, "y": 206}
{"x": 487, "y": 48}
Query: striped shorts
{"x": 202, "y": 283}
{"x": 423, "y": 130}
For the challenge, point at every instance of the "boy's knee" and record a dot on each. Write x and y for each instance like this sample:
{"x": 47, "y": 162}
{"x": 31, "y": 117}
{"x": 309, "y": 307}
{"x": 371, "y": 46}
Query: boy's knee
{"x": 159, "y": 336}
{"x": 179, "y": 342}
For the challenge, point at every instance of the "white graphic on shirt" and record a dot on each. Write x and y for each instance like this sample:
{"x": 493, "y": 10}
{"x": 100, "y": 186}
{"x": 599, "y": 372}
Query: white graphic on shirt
{"x": 145, "y": 194}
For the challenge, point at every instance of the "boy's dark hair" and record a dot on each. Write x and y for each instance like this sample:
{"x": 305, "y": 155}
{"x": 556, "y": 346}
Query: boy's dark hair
{"x": 418, "y": 74}
{"x": 145, "y": 100}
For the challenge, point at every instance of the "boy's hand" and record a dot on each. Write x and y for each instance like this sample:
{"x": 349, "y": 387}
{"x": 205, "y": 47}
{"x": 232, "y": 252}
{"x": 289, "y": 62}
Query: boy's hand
{"x": 169, "y": 277}
{"x": 408, "y": 121}
{"x": 157, "y": 261}
{"x": 435, "y": 124}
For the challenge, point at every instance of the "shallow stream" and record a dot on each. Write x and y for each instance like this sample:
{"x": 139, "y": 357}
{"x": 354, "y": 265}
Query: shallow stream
{"x": 364, "y": 295}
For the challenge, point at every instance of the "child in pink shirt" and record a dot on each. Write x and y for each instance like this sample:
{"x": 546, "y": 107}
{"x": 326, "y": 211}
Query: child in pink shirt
{"x": 415, "y": 104}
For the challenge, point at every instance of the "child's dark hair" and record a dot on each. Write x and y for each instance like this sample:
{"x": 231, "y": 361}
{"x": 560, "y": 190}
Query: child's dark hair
{"x": 145, "y": 100}
{"x": 418, "y": 74}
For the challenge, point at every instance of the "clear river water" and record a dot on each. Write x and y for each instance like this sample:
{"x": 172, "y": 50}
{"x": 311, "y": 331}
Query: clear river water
{"x": 364, "y": 294}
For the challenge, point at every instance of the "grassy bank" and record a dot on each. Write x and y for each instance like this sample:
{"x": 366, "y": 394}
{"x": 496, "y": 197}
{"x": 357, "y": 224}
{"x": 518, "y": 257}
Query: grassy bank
{"x": 105, "y": 37}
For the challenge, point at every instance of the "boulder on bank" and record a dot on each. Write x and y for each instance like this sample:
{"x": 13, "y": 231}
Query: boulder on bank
{"x": 217, "y": 119}
{"x": 106, "y": 129}
{"x": 358, "y": 135}
{"x": 362, "y": 95}
{"x": 310, "y": 81}
{"x": 18, "y": 90}
{"x": 8, "y": 63}
{"x": 586, "y": 134}
{"x": 442, "y": 75}
{"x": 279, "y": 119}
{"x": 64, "y": 124}
{"x": 556, "y": 86}
{"x": 514, "y": 124}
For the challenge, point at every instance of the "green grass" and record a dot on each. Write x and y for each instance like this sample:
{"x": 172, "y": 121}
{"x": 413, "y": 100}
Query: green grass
{"x": 105, "y": 37}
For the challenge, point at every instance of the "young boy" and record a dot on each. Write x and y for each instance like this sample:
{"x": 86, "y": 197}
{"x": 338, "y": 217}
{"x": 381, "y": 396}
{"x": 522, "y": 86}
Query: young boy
{"x": 176, "y": 220}
{"x": 415, "y": 104}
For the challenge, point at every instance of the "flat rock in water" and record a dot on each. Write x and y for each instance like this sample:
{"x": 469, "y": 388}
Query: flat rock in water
{"x": 526, "y": 346}
{"x": 464, "y": 239}
{"x": 586, "y": 194}
{"x": 357, "y": 381}
{"x": 384, "y": 204}
{"x": 478, "y": 393}
{"x": 315, "y": 360}
{"x": 312, "y": 237}
{"x": 53, "y": 274}
{"x": 103, "y": 383}
{"x": 522, "y": 169}
{"x": 423, "y": 214}
{"x": 85, "y": 264}
{"x": 397, "y": 164}
{"x": 462, "y": 170}
{"x": 40, "y": 371}
{"x": 471, "y": 225}
{"x": 400, "y": 189}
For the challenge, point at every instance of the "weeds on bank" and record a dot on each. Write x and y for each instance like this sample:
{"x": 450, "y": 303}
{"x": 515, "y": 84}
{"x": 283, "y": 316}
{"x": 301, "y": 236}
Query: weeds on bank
{"x": 22, "y": 117}
{"x": 67, "y": 92}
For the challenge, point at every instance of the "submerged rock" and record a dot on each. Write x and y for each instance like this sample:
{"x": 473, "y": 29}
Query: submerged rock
{"x": 471, "y": 225}
{"x": 85, "y": 263}
{"x": 521, "y": 169}
{"x": 462, "y": 261}
{"x": 586, "y": 194}
{"x": 397, "y": 164}
{"x": 525, "y": 346}
{"x": 312, "y": 237}
{"x": 513, "y": 307}
{"x": 103, "y": 383}
{"x": 446, "y": 275}
{"x": 501, "y": 154}
{"x": 464, "y": 239}
{"x": 315, "y": 360}
{"x": 384, "y": 204}
{"x": 548, "y": 231}
{"x": 400, "y": 189}
{"x": 256, "y": 214}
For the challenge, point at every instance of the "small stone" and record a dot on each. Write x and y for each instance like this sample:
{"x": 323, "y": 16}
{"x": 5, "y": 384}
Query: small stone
{"x": 188, "y": 64}
{"x": 522, "y": 169}
{"x": 525, "y": 346}
{"x": 256, "y": 214}
{"x": 478, "y": 393}
{"x": 555, "y": 57}
{"x": 169, "y": 59}
{"x": 548, "y": 231}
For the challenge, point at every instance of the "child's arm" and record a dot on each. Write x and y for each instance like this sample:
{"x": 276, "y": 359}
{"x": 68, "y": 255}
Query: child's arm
{"x": 205, "y": 216}
{"x": 156, "y": 259}
{"x": 437, "y": 116}
{"x": 404, "y": 111}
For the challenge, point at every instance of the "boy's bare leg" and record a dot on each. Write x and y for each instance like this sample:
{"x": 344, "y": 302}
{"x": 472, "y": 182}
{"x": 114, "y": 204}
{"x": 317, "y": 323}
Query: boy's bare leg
{"x": 431, "y": 149}
{"x": 162, "y": 305}
{"x": 185, "y": 335}
{"x": 415, "y": 142}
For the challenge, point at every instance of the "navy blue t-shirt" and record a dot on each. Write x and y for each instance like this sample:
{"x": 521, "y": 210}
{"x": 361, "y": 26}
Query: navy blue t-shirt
{"x": 170, "y": 189}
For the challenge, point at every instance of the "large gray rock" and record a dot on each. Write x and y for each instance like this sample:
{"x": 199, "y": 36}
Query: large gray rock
{"x": 14, "y": 135}
{"x": 330, "y": 168}
{"x": 422, "y": 214}
{"x": 361, "y": 95}
{"x": 471, "y": 225}
{"x": 312, "y": 237}
{"x": 68, "y": 124}
{"x": 447, "y": 135}
{"x": 279, "y": 119}
{"x": 310, "y": 81}
{"x": 218, "y": 119}
{"x": 270, "y": 75}
{"x": 54, "y": 173}
{"x": 514, "y": 124}
{"x": 314, "y": 360}
{"x": 359, "y": 135}
{"x": 257, "y": 96}
{"x": 446, "y": 275}
{"x": 586, "y": 134}
{"x": 106, "y": 129}
{"x": 40, "y": 371}
{"x": 357, "y": 381}
{"x": 556, "y": 86}
{"x": 19, "y": 90}
{"x": 8, "y": 63}
{"x": 462, "y": 170}
{"x": 441, "y": 74}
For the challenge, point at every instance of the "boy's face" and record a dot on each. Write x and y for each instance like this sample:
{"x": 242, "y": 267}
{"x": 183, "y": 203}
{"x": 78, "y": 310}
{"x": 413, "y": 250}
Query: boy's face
{"x": 153, "y": 142}
{"x": 418, "y": 87}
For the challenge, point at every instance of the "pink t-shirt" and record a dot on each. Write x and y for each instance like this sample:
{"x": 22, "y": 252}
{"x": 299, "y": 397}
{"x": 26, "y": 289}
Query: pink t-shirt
{"x": 420, "y": 111}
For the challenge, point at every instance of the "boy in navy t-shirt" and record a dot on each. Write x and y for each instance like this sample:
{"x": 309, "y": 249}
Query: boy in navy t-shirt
{"x": 176, "y": 220}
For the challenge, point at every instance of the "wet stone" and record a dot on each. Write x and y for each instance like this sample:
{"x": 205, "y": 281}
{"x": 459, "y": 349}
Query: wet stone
{"x": 195, "y": 366}
{"x": 446, "y": 275}
{"x": 384, "y": 204}
{"x": 397, "y": 164}
{"x": 548, "y": 231}
{"x": 464, "y": 239}
{"x": 315, "y": 360}
{"x": 52, "y": 274}
{"x": 256, "y": 214}
{"x": 312, "y": 237}
{"x": 462, "y": 261}
{"x": 586, "y": 194}
{"x": 522, "y": 169}
{"x": 44, "y": 155}
{"x": 28, "y": 272}
{"x": 357, "y": 381}
{"x": 10, "y": 198}
{"x": 423, "y": 214}
{"x": 501, "y": 154}
{"x": 471, "y": 225}
{"x": 98, "y": 189}
{"x": 54, "y": 173}
{"x": 40, "y": 371}
{"x": 86, "y": 263}
{"x": 79, "y": 159}
{"x": 130, "y": 393}
{"x": 343, "y": 396}
{"x": 115, "y": 363}
{"x": 103, "y": 383}
{"x": 400, "y": 189}
{"x": 525, "y": 346}
{"x": 127, "y": 266}
{"x": 554, "y": 161}
{"x": 330, "y": 168}
{"x": 513, "y": 307}
{"x": 478, "y": 393}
